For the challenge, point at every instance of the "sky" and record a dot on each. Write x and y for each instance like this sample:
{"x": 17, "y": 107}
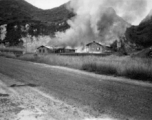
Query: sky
{"x": 47, "y": 4}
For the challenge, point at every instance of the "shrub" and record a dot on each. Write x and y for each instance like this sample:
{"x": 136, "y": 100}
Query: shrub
{"x": 139, "y": 73}
{"x": 100, "y": 68}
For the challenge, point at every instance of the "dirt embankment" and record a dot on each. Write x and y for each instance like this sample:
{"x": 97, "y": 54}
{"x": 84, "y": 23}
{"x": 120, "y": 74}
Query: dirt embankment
{"x": 21, "y": 101}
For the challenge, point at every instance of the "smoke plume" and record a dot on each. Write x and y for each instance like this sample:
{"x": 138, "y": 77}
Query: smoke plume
{"x": 32, "y": 43}
{"x": 100, "y": 20}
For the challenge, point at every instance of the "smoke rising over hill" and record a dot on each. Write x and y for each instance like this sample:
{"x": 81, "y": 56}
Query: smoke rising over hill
{"x": 101, "y": 20}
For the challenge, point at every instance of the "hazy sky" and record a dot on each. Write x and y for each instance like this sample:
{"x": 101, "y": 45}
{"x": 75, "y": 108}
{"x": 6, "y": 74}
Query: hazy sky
{"x": 47, "y": 4}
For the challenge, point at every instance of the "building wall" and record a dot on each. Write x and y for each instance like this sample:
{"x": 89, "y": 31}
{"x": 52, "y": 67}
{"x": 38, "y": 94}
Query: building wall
{"x": 95, "y": 48}
{"x": 60, "y": 50}
{"x": 42, "y": 50}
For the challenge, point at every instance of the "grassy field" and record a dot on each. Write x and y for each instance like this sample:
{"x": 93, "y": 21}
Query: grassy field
{"x": 134, "y": 68}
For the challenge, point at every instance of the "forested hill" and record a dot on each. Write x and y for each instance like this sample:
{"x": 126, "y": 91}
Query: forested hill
{"x": 19, "y": 14}
{"x": 141, "y": 34}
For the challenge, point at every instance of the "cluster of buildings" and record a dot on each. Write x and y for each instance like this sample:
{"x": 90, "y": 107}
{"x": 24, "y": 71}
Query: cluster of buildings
{"x": 47, "y": 50}
{"x": 92, "y": 47}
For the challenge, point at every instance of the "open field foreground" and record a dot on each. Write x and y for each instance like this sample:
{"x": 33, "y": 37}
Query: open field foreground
{"x": 32, "y": 91}
{"x": 126, "y": 66}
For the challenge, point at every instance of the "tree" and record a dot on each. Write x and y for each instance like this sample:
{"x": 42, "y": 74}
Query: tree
{"x": 13, "y": 35}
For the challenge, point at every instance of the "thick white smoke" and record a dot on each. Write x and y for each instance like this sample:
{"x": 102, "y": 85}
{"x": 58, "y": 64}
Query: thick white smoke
{"x": 32, "y": 43}
{"x": 100, "y": 20}
{"x": 3, "y": 31}
{"x": 101, "y": 119}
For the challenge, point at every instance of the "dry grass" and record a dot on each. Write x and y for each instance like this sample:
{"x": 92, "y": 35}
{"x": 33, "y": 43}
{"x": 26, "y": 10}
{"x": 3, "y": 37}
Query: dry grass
{"x": 134, "y": 68}
{"x": 8, "y": 55}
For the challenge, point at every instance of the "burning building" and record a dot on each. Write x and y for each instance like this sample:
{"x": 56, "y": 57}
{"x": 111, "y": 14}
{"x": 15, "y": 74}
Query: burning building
{"x": 99, "y": 20}
{"x": 64, "y": 50}
{"x": 95, "y": 47}
{"x": 45, "y": 50}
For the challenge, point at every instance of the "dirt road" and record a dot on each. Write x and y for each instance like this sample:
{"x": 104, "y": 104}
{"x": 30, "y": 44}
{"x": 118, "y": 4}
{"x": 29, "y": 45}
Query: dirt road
{"x": 83, "y": 94}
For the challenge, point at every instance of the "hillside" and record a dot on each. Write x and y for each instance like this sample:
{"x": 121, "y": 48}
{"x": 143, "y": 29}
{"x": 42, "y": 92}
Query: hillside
{"x": 16, "y": 10}
{"x": 19, "y": 10}
{"x": 141, "y": 34}
{"x": 22, "y": 18}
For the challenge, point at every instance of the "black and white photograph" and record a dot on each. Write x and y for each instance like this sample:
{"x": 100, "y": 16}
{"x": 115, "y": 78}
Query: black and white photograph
{"x": 75, "y": 59}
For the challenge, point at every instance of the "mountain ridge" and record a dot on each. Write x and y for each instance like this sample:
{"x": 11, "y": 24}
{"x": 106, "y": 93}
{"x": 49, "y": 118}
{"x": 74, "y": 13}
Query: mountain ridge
{"x": 20, "y": 9}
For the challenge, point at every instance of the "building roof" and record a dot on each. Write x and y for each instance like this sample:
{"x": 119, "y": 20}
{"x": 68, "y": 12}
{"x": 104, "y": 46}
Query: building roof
{"x": 94, "y": 42}
{"x": 48, "y": 47}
